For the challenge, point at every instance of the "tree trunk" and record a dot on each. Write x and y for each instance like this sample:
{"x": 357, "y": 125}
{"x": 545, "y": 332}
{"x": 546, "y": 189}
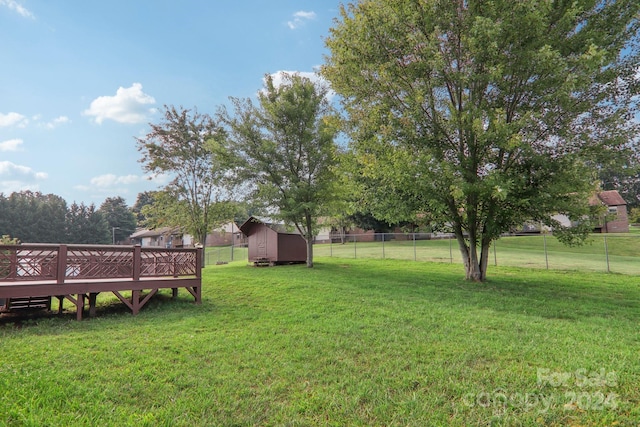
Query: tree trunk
{"x": 475, "y": 269}
{"x": 310, "y": 253}
{"x": 484, "y": 258}
{"x": 309, "y": 239}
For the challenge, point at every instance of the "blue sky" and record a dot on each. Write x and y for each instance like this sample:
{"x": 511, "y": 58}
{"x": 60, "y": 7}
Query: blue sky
{"x": 79, "y": 80}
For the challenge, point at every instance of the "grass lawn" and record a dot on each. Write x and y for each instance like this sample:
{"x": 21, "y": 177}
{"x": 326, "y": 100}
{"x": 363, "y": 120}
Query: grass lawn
{"x": 350, "y": 342}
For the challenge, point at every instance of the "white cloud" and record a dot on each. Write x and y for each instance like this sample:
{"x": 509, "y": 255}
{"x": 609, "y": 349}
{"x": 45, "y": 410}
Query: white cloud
{"x": 17, "y": 7}
{"x": 18, "y": 178}
{"x": 300, "y": 18}
{"x": 13, "y": 119}
{"x": 11, "y": 145}
{"x": 57, "y": 122}
{"x": 11, "y": 169}
{"x": 161, "y": 179}
{"x": 110, "y": 180}
{"x": 129, "y": 105}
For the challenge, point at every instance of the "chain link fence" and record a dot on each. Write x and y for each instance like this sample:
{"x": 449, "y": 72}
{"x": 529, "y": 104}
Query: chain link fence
{"x": 224, "y": 254}
{"x": 614, "y": 253}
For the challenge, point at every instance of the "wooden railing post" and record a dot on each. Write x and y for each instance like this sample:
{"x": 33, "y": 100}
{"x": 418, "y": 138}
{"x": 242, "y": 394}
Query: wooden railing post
{"x": 13, "y": 264}
{"x": 137, "y": 261}
{"x": 199, "y": 255}
{"x": 174, "y": 263}
{"x": 61, "y": 269}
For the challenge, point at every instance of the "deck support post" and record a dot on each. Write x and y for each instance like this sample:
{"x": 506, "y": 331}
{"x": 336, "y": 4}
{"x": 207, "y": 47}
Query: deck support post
{"x": 92, "y": 304}
{"x": 80, "y": 306}
{"x": 135, "y": 301}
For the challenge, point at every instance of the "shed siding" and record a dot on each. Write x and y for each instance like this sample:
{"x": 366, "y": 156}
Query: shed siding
{"x": 266, "y": 244}
{"x": 291, "y": 248}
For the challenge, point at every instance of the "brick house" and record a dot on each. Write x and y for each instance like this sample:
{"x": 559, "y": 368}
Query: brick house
{"x": 614, "y": 219}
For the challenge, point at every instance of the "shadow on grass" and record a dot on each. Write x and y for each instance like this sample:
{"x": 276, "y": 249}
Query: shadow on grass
{"x": 560, "y": 295}
{"x": 107, "y": 307}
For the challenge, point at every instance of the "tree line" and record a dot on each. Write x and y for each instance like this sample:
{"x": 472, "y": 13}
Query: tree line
{"x": 33, "y": 217}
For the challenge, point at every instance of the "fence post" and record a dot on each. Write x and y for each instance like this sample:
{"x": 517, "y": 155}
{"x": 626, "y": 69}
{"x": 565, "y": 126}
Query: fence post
{"x": 450, "y": 250}
{"x": 495, "y": 258}
{"x": 355, "y": 250}
{"x": 330, "y": 246}
{"x": 606, "y": 252}
{"x": 382, "y": 245}
{"x": 415, "y": 257}
{"x": 546, "y": 256}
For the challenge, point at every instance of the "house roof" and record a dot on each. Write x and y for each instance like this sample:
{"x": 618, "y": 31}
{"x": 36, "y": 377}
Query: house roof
{"x": 229, "y": 227}
{"x": 162, "y": 231}
{"x": 611, "y": 198}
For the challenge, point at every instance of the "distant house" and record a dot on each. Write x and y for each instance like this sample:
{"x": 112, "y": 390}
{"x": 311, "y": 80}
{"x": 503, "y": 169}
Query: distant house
{"x": 227, "y": 235}
{"x": 163, "y": 237}
{"x": 272, "y": 244}
{"x": 615, "y": 219}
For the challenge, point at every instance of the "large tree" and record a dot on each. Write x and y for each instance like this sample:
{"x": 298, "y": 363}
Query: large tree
{"x": 33, "y": 217}
{"x": 145, "y": 198}
{"x": 624, "y": 176}
{"x": 120, "y": 219}
{"x": 284, "y": 147}
{"x": 485, "y": 114}
{"x": 86, "y": 225}
{"x": 185, "y": 145}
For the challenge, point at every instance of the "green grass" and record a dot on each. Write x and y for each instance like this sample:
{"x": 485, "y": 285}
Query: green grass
{"x": 622, "y": 250}
{"x": 350, "y": 342}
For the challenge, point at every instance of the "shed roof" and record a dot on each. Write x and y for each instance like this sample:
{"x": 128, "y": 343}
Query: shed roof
{"x": 278, "y": 228}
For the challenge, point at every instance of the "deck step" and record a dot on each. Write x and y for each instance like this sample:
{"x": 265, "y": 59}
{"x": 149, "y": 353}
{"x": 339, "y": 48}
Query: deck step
{"x": 28, "y": 303}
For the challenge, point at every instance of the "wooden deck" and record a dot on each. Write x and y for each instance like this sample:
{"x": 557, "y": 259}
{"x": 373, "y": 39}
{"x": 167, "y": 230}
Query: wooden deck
{"x": 78, "y": 273}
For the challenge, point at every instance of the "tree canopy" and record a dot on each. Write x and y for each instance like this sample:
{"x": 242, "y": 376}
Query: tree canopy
{"x": 45, "y": 218}
{"x": 120, "y": 219}
{"x": 33, "y": 217}
{"x": 143, "y": 199}
{"x": 284, "y": 149}
{"x": 185, "y": 146}
{"x": 86, "y": 225}
{"x": 485, "y": 114}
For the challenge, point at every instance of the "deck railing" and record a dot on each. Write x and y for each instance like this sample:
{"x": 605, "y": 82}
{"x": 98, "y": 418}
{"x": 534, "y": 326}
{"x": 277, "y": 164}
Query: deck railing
{"x": 60, "y": 263}
{"x": 78, "y": 273}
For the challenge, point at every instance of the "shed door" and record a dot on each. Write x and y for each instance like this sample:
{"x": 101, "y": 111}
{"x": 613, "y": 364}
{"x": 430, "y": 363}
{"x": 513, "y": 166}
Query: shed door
{"x": 261, "y": 243}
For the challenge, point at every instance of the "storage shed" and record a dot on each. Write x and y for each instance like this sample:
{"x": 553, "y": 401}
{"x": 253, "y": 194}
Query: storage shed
{"x": 272, "y": 244}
